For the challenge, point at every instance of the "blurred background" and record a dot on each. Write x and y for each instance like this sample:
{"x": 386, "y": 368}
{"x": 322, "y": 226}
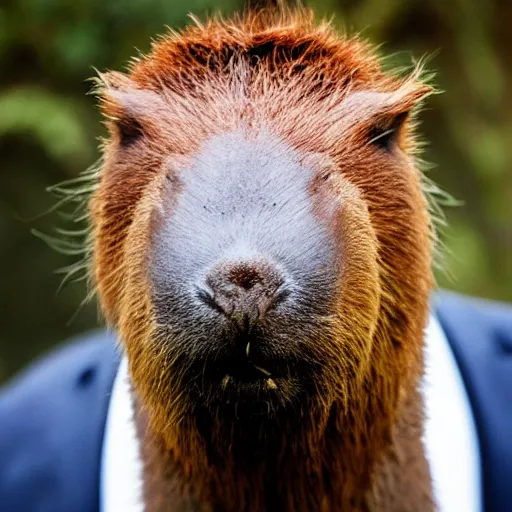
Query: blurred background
{"x": 49, "y": 131}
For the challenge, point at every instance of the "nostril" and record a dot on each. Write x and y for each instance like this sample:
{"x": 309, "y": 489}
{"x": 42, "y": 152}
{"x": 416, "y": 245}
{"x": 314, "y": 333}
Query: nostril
{"x": 280, "y": 296}
{"x": 206, "y": 298}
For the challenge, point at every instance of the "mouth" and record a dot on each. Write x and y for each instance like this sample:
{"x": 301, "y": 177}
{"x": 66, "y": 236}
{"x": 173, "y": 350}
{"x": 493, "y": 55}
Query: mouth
{"x": 246, "y": 375}
{"x": 253, "y": 377}
{"x": 242, "y": 387}
{"x": 249, "y": 391}
{"x": 244, "y": 371}
{"x": 249, "y": 373}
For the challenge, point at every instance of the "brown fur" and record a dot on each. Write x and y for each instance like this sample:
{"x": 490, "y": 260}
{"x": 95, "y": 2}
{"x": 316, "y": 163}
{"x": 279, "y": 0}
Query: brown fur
{"x": 358, "y": 446}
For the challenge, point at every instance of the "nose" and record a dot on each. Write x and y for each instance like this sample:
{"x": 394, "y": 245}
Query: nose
{"x": 243, "y": 290}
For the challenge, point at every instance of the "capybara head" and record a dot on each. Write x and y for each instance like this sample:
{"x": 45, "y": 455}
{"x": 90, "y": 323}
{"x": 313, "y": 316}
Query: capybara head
{"x": 262, "y": 243}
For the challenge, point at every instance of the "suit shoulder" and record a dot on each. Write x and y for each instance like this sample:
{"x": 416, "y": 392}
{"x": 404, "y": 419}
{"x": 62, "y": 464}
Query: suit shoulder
{"x": 459, "y": 313}
{"x": 480, "y": 335}
{"x": 56, "y": 377}
{"x": 52, "y": 417}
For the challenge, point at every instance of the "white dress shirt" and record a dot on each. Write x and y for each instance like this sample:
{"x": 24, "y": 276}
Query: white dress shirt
{"x": 450, "y": 439}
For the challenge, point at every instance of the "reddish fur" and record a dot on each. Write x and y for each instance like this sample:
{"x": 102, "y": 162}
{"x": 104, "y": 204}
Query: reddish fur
{"x": 360, "y": 445}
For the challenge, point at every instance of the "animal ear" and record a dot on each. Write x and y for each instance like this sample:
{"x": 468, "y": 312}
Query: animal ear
{"x": 130, "y": 111}
{"x": 381, "y": 117}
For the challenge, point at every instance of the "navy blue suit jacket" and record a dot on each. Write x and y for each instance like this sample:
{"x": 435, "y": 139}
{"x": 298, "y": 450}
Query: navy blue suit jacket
{"x": 52, "y": 417}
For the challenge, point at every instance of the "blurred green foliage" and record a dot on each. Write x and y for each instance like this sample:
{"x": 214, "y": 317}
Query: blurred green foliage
{"x": 49, "y": 128}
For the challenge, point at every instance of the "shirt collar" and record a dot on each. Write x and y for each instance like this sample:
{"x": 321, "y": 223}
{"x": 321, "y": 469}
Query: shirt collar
{"x": 451, "y": 441}
{"x": 121, "y": 465}
{"x": 450, "y": 438}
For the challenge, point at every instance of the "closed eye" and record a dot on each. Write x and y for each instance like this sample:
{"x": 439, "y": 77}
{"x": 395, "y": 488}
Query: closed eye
{"x": 385, "y": 136}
